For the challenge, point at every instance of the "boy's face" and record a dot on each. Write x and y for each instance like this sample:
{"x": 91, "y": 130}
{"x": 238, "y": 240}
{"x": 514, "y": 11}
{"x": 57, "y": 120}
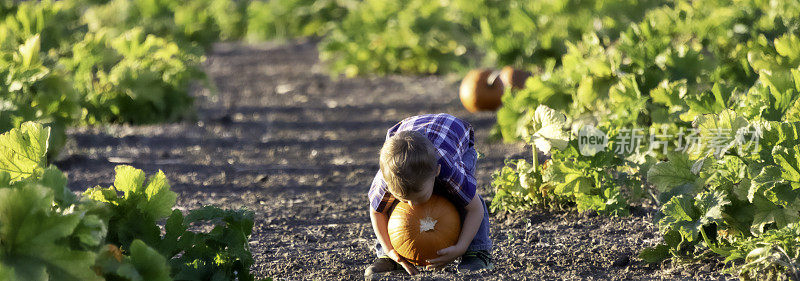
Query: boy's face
{"x": 424, "y": 194}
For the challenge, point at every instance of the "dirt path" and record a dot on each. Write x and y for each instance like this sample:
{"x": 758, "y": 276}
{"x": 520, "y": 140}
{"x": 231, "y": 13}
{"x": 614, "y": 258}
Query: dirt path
{"x": 284, "y": 140}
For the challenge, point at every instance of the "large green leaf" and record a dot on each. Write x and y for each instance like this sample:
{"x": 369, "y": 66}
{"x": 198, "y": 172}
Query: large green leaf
{"x": 768, "y": 212}
{"x": 688, "y": 215}
{"x": 30, "y": 51}
{"x": 155, "y": 199}
{"x": 135, "y": 213}
{"x": 766, "y": 179}
{"x": 782, "y": 94}
{"x": 669, "y": 93}
{"x": 710, "y": 206}
{"x": 23, "y": 150}
{"x": 626, "y": 100}
{"x": 128, "y": 179}
{"x": 788, "y": 46}
{"x": 568, "y": 181}
{"x": 718, "y": 133}
{"x": 160, "y": 199}
{"x": 776, "y": 186}
{"x": 723, "y": 174}
{"x": 545, "y": 129}
{"x": 57, "y": 181}
{"x": 793, "y": 113}
{"x": 655, "y": 254}
{"x": 174, "y": 239}
{"x": 32, "y": 238}
{"x": 779, "y": 133}
{"x": 788, "y": 159}
{"x": 679, "y": 214}
{"x": 91, "y": 231}
{"x": 708, "y": 102}
{"x": 226, "y": 246}
{"x": 675, "y": 172}
{"x": 149, "y": 264}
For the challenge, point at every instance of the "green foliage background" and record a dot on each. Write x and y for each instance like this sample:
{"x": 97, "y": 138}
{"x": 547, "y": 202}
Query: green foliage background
{"x": 727, "y": 71}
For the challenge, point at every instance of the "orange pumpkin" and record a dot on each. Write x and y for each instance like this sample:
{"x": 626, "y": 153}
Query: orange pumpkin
{"x": 481, "y": 90}
{"x": 418, "y": 232}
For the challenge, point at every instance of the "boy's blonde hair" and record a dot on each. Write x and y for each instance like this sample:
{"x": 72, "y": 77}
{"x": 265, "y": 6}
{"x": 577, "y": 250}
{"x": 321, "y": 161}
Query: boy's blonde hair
{"x": 407, "y": 159}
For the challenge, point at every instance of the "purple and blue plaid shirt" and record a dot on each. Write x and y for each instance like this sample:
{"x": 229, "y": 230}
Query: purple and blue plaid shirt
{"x": 451, "y": 137}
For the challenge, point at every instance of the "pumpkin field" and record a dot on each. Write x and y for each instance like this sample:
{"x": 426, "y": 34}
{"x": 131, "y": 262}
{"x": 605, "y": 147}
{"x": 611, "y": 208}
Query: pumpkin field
{"x": 238, "y": 139}
{"x": 303, "y": 160}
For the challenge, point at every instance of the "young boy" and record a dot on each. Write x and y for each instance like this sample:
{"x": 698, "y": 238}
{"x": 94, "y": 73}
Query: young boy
{"x": 425, "y": 154}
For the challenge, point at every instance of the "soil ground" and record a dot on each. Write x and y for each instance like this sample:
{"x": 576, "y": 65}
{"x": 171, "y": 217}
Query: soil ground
{"x": 298, "y": 148}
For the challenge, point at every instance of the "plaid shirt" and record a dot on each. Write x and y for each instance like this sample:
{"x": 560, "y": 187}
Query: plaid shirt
{"x": 451, "y": 137}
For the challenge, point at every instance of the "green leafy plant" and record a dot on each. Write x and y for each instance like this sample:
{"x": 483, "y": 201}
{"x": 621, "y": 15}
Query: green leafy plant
{"x": 409, "y": 36}
{"x": 57, "y": 74}
{"x": 46, "y": 230}
{"x": 672, "y": 72}
{"x": 142, "y": 263}
{"x": 224, "y": 252}
{"x": 36, "y": 91}
{"x": 55, "y": 22}
{"x": 221, "y": 253}
{"x": 40, "y": 234}
{"x": 590, "y": 182}
{"x": 33, "y": 236}
{"x": 186, "y": 23}
{"x": 527, "y": 34}
{"x": 440, "y": 37}
{"x": 518, "y": 186}
{"x": 665, "y": 69}
{"x": 722, "y": 194}
{"x": 134, "y": 77}
{"x": 135, "y": 213}
{"x": 772, "y": 256}
{"x": 286, "y": 19}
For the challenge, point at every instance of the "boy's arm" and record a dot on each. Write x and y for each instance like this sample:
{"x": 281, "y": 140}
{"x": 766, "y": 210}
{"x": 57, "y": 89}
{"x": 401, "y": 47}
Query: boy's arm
{"x": 472, "y": 222}
{"x": 380, "y": 225}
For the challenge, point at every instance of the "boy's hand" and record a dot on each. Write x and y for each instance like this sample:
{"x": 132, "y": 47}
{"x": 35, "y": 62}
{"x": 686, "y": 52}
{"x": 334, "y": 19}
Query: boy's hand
{"x": 410, "y": 268}
{"x": 446, "y": 255}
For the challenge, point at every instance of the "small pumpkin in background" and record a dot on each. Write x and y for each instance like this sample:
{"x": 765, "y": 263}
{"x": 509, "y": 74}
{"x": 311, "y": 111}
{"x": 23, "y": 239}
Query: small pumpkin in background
{"x": 418, "y": 232}
{"x": 514, "y": 78}
{"x": 481, "y": 90}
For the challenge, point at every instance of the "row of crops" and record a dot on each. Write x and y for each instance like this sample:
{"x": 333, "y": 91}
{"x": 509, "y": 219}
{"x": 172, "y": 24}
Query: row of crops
{"x": 73, "y": 63}
{"x": 698, "y": 108}
{"x": 85, "y": 62}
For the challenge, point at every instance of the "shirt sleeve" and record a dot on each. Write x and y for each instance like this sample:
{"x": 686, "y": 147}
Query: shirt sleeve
{"x": 460, "y": 183}
{"x": 458, "y": 179}
{"x": 376, "y": 192}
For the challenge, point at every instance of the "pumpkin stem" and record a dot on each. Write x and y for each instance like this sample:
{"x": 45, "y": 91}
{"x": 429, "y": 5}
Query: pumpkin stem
{"x": 426, "y": 224}
{"x": 492, "y": 78}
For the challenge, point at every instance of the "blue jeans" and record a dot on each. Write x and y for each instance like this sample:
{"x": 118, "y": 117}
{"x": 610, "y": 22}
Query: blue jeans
{"x": 482, "y": 240}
